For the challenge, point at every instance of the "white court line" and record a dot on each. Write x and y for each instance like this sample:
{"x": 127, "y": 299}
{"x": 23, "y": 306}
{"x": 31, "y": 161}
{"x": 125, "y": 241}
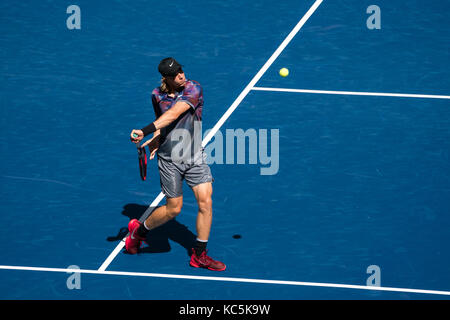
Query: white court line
{"x": 121, "y": 244}
{"x": 231, "y": 109}
{"x": 261, "y": 72}
{"x": 227, "y": 279}
{"x": 354, "y": 93}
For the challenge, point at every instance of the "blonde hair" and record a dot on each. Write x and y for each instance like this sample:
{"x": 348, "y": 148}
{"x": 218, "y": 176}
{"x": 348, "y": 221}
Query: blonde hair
{"x": 164, "y": 87}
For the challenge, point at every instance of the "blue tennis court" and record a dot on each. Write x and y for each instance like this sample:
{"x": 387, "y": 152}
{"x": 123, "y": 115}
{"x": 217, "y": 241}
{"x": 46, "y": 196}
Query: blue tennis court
{"x": 358, "y": 138}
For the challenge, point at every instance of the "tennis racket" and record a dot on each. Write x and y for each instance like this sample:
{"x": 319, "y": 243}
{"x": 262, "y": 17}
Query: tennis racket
{"x": 142, "y": 157}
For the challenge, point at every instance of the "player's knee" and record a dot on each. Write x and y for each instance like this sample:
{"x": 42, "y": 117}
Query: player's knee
{"x": 174, "y": 210}
{"x": 205, "y": 205}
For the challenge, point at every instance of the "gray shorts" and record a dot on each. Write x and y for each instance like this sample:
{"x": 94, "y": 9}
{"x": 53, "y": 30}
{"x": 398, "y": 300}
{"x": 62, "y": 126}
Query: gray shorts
{"x": 172, "y": 175}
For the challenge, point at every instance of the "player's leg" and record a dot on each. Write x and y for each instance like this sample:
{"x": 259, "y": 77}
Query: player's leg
{"x": 199, "y": 258}
{"x": 138, "y": 231}
{"x": 199, "y": 178}
{"x": 171, "y": 180}
{"x": 203, "y": 194}
{"x": 162, "y": 214}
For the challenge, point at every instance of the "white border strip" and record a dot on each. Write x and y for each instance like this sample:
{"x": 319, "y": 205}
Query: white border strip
{"x": 226, "y": 279}
{"x": 230, "y": 110}
{"x": 354, "y": 93}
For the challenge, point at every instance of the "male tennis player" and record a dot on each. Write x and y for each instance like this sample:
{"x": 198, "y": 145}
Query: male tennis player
{"x": 177, "y": 135}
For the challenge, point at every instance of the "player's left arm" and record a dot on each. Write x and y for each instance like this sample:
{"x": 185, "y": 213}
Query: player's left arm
{"x": 163, "y": 121}
{"x": 189, "y": 100}
{"x": 171, "y": 115}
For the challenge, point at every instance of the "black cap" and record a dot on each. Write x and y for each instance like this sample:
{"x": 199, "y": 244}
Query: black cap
{"x": 169, "y": 67}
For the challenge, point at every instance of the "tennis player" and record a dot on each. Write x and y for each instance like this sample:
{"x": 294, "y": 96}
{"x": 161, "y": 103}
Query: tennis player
{"x": 176, "y": 140}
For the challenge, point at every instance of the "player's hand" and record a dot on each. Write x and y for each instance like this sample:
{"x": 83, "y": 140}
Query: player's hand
{"x": 136, "y": 136}
{"x": 153, "y": 145}
{"x": 153, "y": 152}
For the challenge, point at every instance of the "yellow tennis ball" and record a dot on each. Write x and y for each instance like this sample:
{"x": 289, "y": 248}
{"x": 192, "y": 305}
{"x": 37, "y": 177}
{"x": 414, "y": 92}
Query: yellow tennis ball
{"x": 284, "y": 72}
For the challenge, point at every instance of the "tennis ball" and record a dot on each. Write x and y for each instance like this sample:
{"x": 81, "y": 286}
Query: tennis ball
{"x": 284, "y": 72}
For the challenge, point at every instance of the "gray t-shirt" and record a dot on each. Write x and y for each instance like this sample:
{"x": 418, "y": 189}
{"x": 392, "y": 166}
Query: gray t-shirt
{"x": 181, "y": 141}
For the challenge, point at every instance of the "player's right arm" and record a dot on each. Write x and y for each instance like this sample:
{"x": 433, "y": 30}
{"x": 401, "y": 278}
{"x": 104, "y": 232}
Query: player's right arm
{"x": 138, "y": 135}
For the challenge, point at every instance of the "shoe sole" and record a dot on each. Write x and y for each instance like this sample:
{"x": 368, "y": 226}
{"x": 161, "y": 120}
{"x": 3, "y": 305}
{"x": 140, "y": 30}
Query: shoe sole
{"x": 212, "y": 269}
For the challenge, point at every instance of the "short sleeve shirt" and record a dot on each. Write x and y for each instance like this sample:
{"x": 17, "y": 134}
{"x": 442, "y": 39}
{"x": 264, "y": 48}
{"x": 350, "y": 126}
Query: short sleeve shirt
{"x": 181, "y": 140}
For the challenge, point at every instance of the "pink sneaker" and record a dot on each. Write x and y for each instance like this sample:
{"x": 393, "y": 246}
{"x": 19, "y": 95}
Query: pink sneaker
{"x": 133, "y": 241}
{"x": 206, "y": 262}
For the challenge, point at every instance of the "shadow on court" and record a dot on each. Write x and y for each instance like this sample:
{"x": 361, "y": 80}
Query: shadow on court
{"x": 158, "y": 239}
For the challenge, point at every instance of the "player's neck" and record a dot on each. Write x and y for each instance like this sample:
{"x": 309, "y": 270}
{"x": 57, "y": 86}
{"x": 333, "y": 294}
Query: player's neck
{"x": 173, "y": 90}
